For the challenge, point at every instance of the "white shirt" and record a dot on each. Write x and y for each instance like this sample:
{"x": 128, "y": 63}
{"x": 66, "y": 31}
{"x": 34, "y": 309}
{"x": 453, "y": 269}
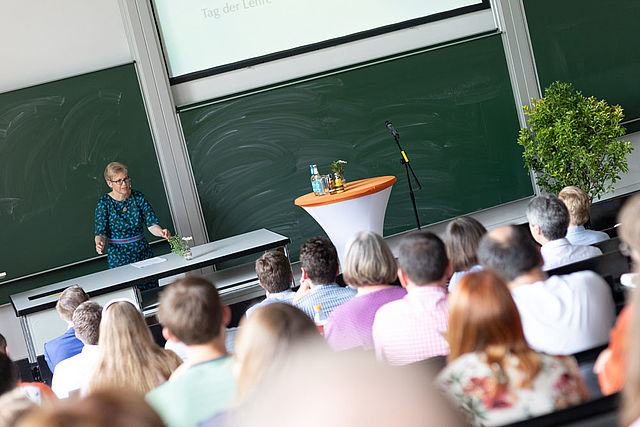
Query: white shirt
{"x": 578, "y": 235}
{"x": 74, "y": 373}
{"x": 566, "y": 314}
{"x": 557, "y": 253}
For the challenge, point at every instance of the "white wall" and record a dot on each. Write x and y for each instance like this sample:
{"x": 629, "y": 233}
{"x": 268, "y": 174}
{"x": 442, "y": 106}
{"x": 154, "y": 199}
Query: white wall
{"x": 44, "y": 41}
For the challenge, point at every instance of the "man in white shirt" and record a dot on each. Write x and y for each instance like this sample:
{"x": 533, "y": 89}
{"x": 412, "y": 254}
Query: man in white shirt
{"x": 548, "y": 221}
{"x": 578, "y": 204}
{"x": 274, "y": 275}
{"x": 560, "y": 314}
{"x": 73, "y": 374}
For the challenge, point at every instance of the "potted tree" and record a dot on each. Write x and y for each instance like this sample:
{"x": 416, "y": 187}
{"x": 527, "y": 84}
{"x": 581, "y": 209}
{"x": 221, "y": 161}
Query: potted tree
{"x": 573, "y": 140}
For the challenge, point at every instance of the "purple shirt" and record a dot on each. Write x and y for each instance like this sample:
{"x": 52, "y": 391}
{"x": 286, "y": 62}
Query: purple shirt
{"x": 350, "y": 324}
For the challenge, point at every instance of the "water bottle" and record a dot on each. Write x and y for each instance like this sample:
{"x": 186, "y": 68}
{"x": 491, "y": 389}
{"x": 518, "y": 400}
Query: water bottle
{"x": 316, "y": 181}
{"x": 320, "y": 318}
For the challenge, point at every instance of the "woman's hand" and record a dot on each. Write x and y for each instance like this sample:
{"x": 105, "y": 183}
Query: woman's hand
{"x": 160, "y": 232}
{"x": 100, "y": 240}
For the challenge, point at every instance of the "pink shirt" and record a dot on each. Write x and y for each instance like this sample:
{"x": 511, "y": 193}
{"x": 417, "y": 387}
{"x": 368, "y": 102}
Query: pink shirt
{"x": 410, "y": 329}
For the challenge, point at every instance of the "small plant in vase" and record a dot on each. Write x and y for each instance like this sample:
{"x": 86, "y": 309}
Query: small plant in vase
{"x": 337, "y": 169}
{"x": 180, "y": 246}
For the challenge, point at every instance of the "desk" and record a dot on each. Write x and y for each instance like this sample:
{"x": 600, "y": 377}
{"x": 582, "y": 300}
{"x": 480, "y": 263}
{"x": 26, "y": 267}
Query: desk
{"x": 41, "y": 323}
{"x": 360, "y": 207}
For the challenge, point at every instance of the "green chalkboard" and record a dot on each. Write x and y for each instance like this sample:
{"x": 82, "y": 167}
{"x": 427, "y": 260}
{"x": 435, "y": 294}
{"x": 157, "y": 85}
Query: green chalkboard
{"x": 55, "y": 140}
{"x": 454, "y": 109}
{"x": 592, "y": 44}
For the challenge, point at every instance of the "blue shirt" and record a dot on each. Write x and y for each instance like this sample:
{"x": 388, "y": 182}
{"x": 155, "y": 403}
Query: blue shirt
{"x": 62, "y": 347}
{"x": 284, "y": 297}
{"x": 328, "y": 296}
{"x": 578, "y": 235}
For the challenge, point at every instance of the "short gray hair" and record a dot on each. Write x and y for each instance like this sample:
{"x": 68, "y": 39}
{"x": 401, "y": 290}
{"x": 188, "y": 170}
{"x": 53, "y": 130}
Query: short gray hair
{"x": 550, "y": 214}
{"x": 369, "y": 261}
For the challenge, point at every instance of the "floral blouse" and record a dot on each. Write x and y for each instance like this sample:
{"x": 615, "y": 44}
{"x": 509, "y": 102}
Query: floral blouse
{"x": 469, "y": 382}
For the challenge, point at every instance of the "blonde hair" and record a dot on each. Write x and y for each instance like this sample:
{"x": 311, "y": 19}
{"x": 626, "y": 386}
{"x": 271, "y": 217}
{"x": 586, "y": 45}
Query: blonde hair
{"x": 129, "y": 359}
{"x": 577, "y": 202}
{"x": 265, "y": 338}
{"x": 369, "y": 261}
{"x": 113, "y": 169}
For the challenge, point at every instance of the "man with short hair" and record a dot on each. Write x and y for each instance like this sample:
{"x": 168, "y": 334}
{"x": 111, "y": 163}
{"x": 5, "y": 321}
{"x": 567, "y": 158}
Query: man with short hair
{"x": 190, "y": 311}
{"x": 578, "y": 204}
{"x": 548, "y": 221}
{"x": 275, "y": 276}
{"x": 66, "y": 345}
{"x": 411, "y": 329}
{"x": 319, "y": 267}
{"x": 73, "y": 374}
{"x": 560, "y": 314}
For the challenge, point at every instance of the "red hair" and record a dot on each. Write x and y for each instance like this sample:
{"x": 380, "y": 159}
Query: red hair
{"x": 483, "y": 318}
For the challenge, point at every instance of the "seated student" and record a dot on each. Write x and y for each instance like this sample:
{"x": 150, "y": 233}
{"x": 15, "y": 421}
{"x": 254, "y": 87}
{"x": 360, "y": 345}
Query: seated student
{"x": 548, "y": 221}
{"x": 73, "y": 373}
{"x": 560, "y": 314}
{"x": 611, "y": 365}
{"x": 128, "y": 357}
{"x": 410, "y": 329}
{"x": 66, "y": 345}
{"x": 319, "y": 266}
{"x": 264, "y": 343}
{"x": 370, "y": 267}
{"x": 190, "y": 311}
{"x": 275, "y": 276}
{"x": 493, "y": 375}
{"x": 578, "y": 204}
{"x": 461, "y": 239}
{"x": 4, "y": 348}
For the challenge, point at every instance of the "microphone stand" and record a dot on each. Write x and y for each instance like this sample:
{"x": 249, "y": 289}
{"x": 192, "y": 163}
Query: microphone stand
{"x": 405, "y": 161}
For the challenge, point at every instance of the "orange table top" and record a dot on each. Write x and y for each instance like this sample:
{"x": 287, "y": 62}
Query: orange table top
{"x": 353, "y": 190}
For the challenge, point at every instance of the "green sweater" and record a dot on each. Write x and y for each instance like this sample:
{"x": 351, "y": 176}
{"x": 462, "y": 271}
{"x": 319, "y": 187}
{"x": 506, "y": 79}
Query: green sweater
{"x": 200, "y": 392}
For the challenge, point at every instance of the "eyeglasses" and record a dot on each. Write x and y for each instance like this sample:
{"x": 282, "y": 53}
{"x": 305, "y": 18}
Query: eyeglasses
{"x": 121, "y": 181}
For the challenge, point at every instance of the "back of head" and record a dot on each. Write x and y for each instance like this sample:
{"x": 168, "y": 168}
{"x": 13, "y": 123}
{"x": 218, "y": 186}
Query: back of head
{"x": 3, "y": 344}
{"x": 550, "y": 214}
{"x": 265, "y": 339}
{"x": 86, "y": 321}
{"x": 274, "y": 271}
{"x": 8, "y": 374}
{"x": 577, "y": 203}
{"x": 190, "y": 308}
{"x": 319, "y": 259}
{"x": 120, "y": 408}
{"x": 629, "y": 219}
{"x": 14, "y": 406}
{"x": 510, "y": 251}
{"x": 422, "y": 257}
{"x": 69, "y": 300}
{"x": 461, "y": 239}
{"x": 369, "y": 261}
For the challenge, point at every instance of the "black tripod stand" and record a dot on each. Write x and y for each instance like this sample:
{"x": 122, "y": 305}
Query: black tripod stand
{"x": 405, "y": 161}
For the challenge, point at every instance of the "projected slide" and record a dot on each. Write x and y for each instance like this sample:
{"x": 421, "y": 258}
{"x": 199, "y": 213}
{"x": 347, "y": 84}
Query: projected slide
{"x": 202, "y": 34}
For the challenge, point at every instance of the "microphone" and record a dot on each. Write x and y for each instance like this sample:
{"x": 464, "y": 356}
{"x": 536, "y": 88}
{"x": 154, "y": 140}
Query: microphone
{"x": 394, "y": 132}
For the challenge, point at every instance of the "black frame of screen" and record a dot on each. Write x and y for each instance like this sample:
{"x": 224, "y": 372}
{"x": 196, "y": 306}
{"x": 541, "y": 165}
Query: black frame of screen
{"x": 314, "y": 46}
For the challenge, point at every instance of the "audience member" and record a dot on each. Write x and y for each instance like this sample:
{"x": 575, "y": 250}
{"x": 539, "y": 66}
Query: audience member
{"x": 493, "y": 375}
{"x": 578, "y": 204}
{"x": 14, "y": 405}
{"x": 108, "y": 408}
{"x": 548, "y": 221}
{"x": 8, "y": 374}
{"x": 66, "y": 345}
{"x": 370, "y": 267}
{"x": 4, "y": 348}
{"x": 611, "y": 365}
{"x": 319, "y": 266}
{"x": 128, "y": 357}
{"x": 461, "y": 239}
{"x": 344, "y": 389}
{"x": 275, "y": 276}
{"x": 410, "y": 329}
{"x": 263, "y": 346}
{"x": 560, "y": 314}
{"x": 190, "y": 311}
{"x": 73, "y": 373}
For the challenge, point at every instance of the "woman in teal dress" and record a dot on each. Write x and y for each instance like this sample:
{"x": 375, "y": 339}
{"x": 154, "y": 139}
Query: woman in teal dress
{"x": 121, "y": 216}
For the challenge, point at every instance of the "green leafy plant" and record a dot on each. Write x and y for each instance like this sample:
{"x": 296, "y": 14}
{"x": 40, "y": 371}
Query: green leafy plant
{"x": 180, "y": 245}
{"x": 573, "y": 140}
{"x": 338, "y": 167}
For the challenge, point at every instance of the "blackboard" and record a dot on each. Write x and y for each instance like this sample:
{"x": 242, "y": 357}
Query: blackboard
{"x": 55, "y": 140}
{"x": 454, "y": 109}
{"x": 592, "y": 44}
